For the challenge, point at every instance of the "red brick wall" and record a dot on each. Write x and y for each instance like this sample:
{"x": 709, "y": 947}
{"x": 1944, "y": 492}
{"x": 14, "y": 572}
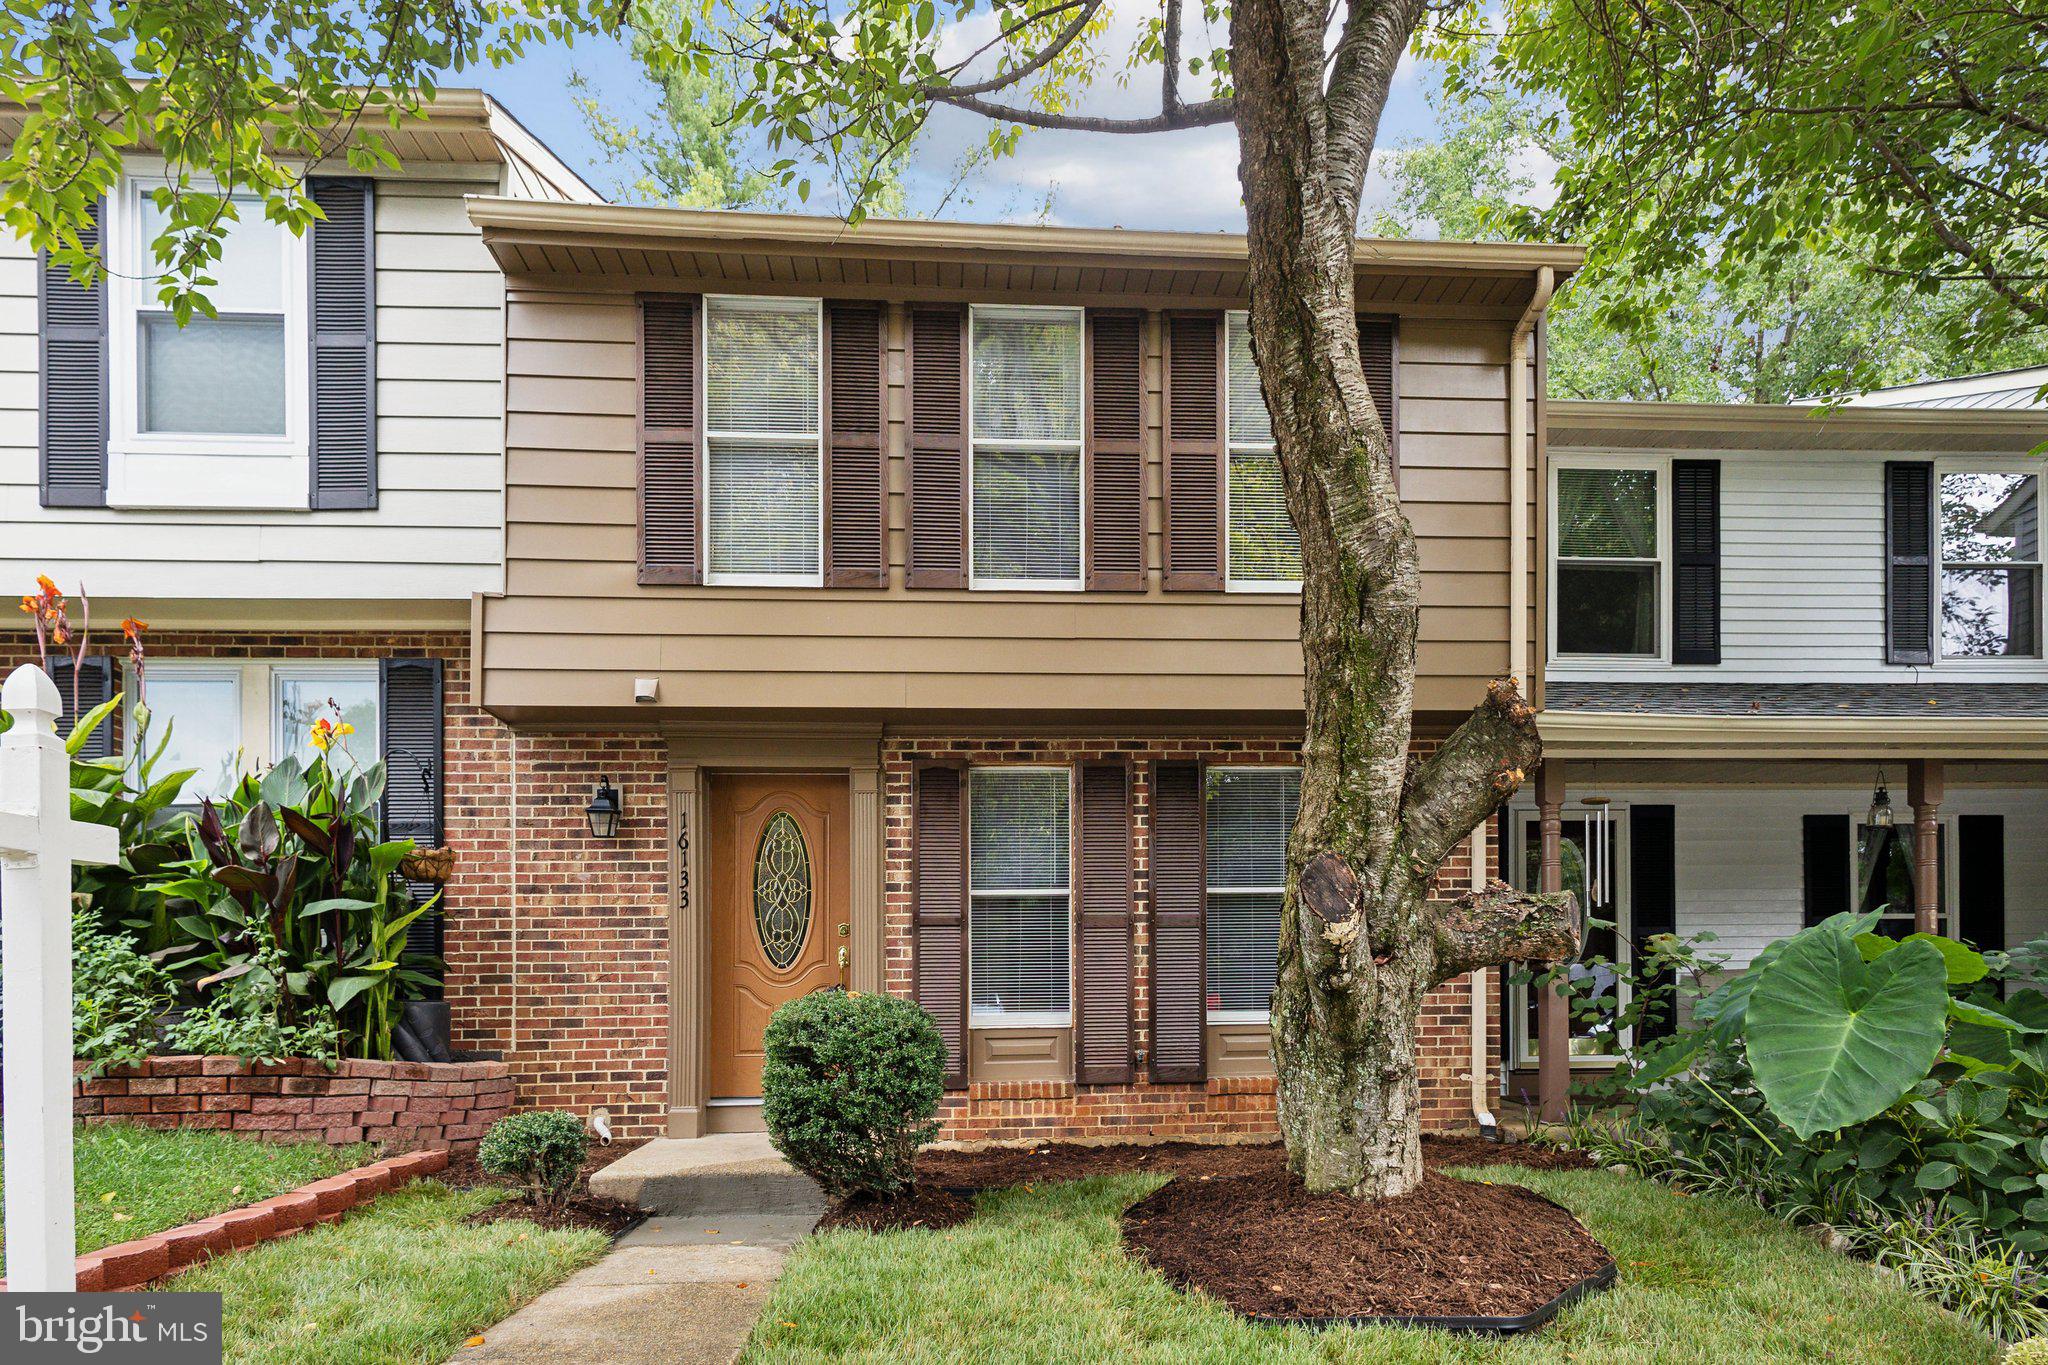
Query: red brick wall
{"x": 401, "y": 1104}
{"x": 1223, "y": 1107}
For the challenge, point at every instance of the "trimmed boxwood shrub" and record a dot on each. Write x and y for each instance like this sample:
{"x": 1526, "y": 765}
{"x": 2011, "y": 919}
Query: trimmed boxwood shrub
{"x": 542, "y": 1150}
{"x": 850, "y": 1087}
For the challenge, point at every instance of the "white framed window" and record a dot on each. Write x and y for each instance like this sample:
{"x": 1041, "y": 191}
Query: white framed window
{"x": 763, "y": 448}
{"x": 1610, "y": 591}
{"x": 1248, "y": 814}
{"x": 228, "y": 718}
{"x": 1990, "y": 548}
{"x": 1263, "y": 551}
{"x": 1020, "y": 902}
{"x": 1594, "y": 851}
{"x": 1882, "y": 859}
{"x": 213, "y": 414}
{"x": 1025, "y": 410}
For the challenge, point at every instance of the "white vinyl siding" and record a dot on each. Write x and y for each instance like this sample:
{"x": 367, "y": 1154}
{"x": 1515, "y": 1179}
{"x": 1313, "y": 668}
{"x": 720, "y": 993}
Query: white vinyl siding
{"x": 1802, "y": 576}
{"x": 1264, "y": 552}
{"x": 1249, "y": 813}
{"x": 1026, "y": 413}
{"x": 764, "y": 455}
{"x": 1020, "y": 905}
{"x": 437, "y": 532}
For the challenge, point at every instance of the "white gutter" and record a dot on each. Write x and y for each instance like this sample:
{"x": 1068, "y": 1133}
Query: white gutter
{"x": 1518, "y": 629}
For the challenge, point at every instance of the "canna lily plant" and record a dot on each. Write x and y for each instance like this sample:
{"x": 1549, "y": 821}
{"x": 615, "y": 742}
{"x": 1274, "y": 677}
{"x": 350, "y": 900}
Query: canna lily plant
{"x": 291, "y": 858}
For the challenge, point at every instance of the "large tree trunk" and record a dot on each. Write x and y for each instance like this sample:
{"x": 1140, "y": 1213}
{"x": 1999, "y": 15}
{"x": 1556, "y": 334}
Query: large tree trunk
{"x": 1360, "y": 941}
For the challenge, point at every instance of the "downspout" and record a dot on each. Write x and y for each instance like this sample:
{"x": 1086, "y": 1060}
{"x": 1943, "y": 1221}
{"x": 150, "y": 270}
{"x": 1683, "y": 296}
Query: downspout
{"x": 1518, "y": 632}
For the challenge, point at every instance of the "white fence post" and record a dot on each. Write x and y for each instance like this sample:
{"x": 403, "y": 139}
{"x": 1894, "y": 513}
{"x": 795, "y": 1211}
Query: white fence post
{"x": 39, "y": 842}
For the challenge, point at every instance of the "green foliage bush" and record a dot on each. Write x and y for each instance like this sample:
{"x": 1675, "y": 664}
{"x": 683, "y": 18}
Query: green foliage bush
{"x": 2032, "y": 1351}
{"x": 117, "y": 995}
{"x": 850, "y": 1087}
{"x": 542, "y": 1150}
{"x": 251, "y": 1014}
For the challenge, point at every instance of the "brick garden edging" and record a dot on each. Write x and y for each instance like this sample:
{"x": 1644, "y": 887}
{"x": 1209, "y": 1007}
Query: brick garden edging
{"x": 146, "y": 1260}
{"x": 400, "y": 1104}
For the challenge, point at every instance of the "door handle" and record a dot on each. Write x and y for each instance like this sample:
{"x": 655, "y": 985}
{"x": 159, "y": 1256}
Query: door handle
{"x": 845, "y": 957}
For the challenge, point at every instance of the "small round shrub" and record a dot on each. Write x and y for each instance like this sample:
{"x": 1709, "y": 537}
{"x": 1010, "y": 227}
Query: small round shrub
{"x": 542, "y": 1150}
{"x": 2032, "y": 1351}
{"x": 850, "y": 1086}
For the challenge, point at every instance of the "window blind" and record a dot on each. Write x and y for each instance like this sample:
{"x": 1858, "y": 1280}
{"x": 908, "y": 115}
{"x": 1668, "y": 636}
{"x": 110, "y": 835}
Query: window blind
{"x": 1607, "y": 513}
{"x": 1026, "y": 400}
{"x": 1249, "y": 815}
{"x": 763, "y": 449}
{"x": 1263, "y": 546}
{"x": 1018, "y": 920}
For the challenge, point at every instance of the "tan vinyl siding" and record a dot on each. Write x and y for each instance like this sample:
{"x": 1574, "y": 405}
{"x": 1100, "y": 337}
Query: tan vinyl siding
{"x": 575, "y": 629}
{"x": 435, "y": 532}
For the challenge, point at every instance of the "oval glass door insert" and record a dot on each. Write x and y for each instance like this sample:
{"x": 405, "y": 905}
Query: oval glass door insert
{"x": 782, "y": 890}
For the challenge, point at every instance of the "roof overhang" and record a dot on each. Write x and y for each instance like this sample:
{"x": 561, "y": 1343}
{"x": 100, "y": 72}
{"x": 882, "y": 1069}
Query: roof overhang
{"x": 646, "y": 246}
{"x": 1584, "y": 735}
{"x": 1757, "y": 426}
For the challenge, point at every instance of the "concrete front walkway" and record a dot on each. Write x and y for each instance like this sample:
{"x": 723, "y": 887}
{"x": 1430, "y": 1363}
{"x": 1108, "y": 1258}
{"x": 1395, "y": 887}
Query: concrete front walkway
{"x": 683, "y": 1288}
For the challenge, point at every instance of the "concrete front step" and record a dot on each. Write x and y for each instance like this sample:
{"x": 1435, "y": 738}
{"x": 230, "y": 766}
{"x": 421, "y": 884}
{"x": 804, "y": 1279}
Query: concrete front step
{"x": 726, "y": 1173}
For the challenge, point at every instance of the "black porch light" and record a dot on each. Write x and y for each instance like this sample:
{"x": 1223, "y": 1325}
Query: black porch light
{"x": 603, "y": 810}
{"x": 1881, "y": 804}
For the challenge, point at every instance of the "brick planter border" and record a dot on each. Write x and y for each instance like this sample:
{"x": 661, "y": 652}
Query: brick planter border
{"x": 147, "y": 1260}
{"x": 404, "y": 1105}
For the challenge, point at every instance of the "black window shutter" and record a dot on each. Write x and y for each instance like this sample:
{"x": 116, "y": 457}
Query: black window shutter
{"x": 344, "y": 340}
{"x": 1102, "y": 1015}
{"x": 1825, "y": 855}
{"x": 72, "y": 331}
{"x": 1696, "y": 561}
{"x": 1909, "y": 562}
{"x": 938, "y": 894}
{"x": 1980, "y": 880}
{"x": 1653, "y": 887}
{"x": 95, "y": 686}
{"x": 414, "y": 781}
{"x": 1179, "y": 889}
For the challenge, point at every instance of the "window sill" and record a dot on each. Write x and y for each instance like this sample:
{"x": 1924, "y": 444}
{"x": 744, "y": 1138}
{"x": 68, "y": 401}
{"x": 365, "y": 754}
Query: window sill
{"x": 995, "y": 1021}
{"x": 1222, "y": 1017}
{"x": 1024, "y": 585}
{"x": 1259, "y": 589}
{"x": 197, "y": 478}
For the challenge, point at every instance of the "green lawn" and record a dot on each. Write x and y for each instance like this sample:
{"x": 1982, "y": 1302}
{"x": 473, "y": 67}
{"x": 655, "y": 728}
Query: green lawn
{"x": 403, "y": 1280}
{"x": 135, "y": 1181}
{"x": 1041, "y": 1275}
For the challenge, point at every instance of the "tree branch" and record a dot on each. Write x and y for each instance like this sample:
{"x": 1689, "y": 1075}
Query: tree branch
{"x": 1465, "y": 780}
{"x": 1002, "y": 80}
{"x": 1500, "y": 925}
{"x": 1205, "y": 114}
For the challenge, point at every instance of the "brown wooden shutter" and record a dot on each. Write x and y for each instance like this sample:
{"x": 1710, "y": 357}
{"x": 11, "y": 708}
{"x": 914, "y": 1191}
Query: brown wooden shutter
{"x": 1379, "y": 350}
{"x": 671, "y": 418}
{"x": 343, "y": 254}
{"x": 1102, "y": 978}
{"x": 1194, "y": 452}
{"x": 1696, "y": 561}
{"x": 1909, "y": 562}
{"x": 1179, "y": 889}
{"x": 939, "y": 907}
{"x": 1116, "y": 450}
{"x": 73, "y": 389}
{"x": 938, "y": 447}
{"x": 856, "y": 534}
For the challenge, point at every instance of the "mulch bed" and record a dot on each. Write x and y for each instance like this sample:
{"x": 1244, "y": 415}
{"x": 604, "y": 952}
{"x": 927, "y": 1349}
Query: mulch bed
{"x": 948, "y": 1180}
{"x": 584, "y": 1209}
{"x": 1452, "y": 1248}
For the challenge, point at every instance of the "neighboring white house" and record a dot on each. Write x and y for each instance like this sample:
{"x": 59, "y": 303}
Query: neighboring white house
{"x": 1996, "y": 389}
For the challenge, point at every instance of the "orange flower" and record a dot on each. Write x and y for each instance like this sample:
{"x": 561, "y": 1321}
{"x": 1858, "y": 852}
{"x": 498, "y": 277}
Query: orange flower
{"x": 323, "y": 734}
{"x": 30, "y": 605}
{"x": 130, "y": 627}
{"x": 49, "y": 588}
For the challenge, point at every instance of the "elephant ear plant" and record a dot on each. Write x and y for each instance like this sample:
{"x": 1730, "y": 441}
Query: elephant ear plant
{"x": 288, "y": 870}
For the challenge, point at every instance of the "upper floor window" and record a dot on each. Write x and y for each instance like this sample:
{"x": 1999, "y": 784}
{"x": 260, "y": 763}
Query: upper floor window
{"x": 226, "y": 719}
{"x": 1249, "y": 813}
{"x": 1019, "y": 881}
{"x": 1990, "y": 565}
{"x": 1609, "y": 575}
{"x": 1264, "y": 553}
{"x": 1025, "y": 408}
{"x": 195, "y": 409}
{"x": 762, "y": 445}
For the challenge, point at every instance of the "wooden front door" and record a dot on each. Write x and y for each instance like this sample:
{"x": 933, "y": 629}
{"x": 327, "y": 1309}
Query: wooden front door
{"x": 779, "y": 909}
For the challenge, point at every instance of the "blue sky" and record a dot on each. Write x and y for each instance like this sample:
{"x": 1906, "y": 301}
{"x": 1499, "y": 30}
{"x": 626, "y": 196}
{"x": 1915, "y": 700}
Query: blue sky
{"x": 1185, "y": 180}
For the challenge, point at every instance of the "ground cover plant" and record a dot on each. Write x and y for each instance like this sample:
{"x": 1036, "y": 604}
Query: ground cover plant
{"x": 1041, "y": 1274}
{"x": 136, "y": 1181}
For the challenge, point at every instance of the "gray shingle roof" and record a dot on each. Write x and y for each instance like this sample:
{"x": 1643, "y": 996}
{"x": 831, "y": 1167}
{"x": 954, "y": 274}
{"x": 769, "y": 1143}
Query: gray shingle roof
{"x": 1799, "y": 699}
